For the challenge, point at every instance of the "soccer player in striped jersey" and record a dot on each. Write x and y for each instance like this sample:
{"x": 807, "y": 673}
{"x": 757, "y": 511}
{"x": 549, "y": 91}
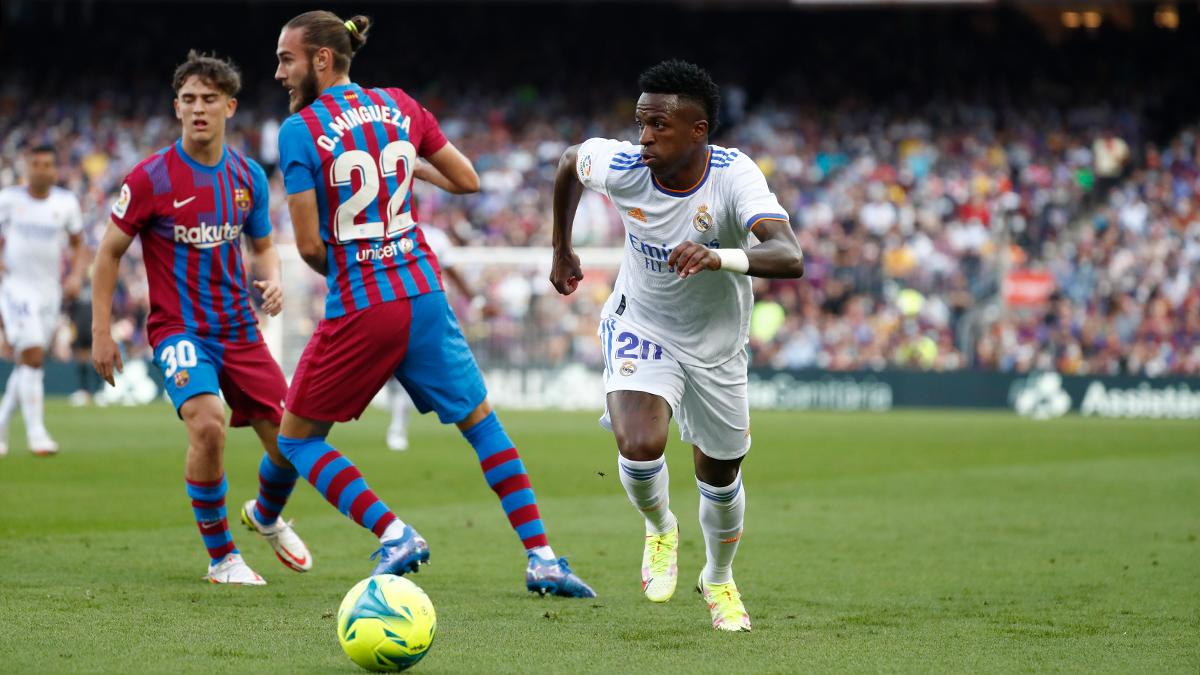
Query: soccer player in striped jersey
{"x": 190, "y": 204}
{"x": 349, "y": 155}
{"x": 675, "y": 327}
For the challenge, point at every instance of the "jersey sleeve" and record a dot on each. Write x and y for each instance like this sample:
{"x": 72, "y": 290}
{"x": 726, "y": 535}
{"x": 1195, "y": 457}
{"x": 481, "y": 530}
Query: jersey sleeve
{"x": 598, "y": 158}
{"x": 74, "y": 218}
{"x": 297, "y": 156}
{"x": 134, "y": 208}
{"x": 258, "y": 222}
{"x": 752, "y": 199}
{"x": 432, "y": 139}
{"x": 5, "y": 211}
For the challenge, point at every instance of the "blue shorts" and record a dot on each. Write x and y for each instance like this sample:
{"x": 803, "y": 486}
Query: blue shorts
{"x": 417, "y": 340}
{"x": 245, "y": 372}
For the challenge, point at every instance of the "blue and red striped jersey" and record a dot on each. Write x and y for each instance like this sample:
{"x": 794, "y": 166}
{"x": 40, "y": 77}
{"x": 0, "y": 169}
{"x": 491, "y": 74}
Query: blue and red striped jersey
{"x": 190, "y": 218}
{"x": 357, "y": 148}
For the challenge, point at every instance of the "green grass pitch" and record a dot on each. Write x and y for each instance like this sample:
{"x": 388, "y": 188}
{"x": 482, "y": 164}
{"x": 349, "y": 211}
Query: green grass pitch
{"x": 915, "y": 541}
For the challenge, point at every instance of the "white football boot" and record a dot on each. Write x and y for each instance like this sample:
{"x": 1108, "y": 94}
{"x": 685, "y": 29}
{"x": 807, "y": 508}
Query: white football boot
{"x": 233, "y": 570}
{"x": 288, "y": 546}
{"x": 42, "y": 445}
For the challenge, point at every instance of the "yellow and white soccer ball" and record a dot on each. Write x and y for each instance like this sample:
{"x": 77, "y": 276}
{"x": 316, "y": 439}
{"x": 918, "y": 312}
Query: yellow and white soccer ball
{"x": 386, "y": 623}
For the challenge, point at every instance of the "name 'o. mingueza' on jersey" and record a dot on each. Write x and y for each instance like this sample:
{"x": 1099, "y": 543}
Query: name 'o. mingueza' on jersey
{"x": 190, "y": 218}
{"x": 357, "y": 149}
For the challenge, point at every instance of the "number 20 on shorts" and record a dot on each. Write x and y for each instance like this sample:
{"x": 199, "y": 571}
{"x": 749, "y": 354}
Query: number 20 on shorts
{"x": 628, "y": 348}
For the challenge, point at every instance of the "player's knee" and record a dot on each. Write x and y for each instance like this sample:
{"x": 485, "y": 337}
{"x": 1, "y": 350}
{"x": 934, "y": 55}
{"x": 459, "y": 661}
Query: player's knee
{"x": 34, "y": 358}
{"x": 641, "y": 445}
{"x": 208, "y": 435}
{"x": 716, "y": 472}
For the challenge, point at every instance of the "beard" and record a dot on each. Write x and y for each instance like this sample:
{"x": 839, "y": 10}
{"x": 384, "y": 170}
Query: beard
{"x": 306, "y": 91}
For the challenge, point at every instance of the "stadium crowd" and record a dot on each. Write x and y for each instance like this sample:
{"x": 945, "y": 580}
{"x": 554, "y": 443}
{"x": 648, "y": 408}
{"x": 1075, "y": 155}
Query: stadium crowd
{"x": 910, "y": 223}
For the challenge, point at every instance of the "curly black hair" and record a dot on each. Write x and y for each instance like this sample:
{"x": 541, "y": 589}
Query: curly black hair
{"x": 686, "y": 80}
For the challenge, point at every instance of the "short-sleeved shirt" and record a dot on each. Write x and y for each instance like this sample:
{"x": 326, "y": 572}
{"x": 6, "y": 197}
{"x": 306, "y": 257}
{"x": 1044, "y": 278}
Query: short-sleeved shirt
{"x": 357, "y": 148}
{"x": 705, "y": 319}
{"x": 35, "y": 233}
{"x": 191, "y": 218}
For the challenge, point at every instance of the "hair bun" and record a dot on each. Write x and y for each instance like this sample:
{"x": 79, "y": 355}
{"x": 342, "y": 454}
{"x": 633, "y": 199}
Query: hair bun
{"x": 358, "y": 37}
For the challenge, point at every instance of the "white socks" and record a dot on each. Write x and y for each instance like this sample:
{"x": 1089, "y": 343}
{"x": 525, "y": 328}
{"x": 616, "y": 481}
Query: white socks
{"x": 26, "y": 385}
{"x": 8, "y": 405}
{"x": 722, "y": 510}
{"x": 394, "y": 530}
{"x": 33, "y": 394}
{"x": 543, "y": 552}
{"x": 647, "y": 485}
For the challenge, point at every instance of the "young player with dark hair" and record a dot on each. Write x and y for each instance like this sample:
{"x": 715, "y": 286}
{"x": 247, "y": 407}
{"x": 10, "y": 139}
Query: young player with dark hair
{"x": 674, "y": 329}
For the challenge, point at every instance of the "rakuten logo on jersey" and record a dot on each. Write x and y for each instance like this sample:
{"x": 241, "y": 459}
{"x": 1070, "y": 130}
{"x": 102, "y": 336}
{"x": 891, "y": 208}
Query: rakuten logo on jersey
{"x": 207, "y": 236}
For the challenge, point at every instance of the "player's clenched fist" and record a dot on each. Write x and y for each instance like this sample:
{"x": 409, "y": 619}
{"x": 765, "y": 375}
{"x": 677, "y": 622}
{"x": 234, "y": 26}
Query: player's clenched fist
{"x": 689, "y": 258}
{"x": 566, "y": 273}
{"x": 272, "y": 297}
{"x": 106, "y": 357}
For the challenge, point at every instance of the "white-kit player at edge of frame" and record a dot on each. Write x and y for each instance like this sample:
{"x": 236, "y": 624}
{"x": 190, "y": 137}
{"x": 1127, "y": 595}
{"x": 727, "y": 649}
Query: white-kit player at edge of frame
{"x": 674, "y": 331}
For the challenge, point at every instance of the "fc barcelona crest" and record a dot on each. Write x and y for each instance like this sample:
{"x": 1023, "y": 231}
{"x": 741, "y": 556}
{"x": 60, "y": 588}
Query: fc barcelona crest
{"x": 241, "y": 199}
{"x": 181, "y": 379}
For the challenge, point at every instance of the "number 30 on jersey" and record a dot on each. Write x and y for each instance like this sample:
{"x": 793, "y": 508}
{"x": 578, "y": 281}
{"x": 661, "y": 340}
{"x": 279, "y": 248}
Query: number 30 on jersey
{"x": 370, "y": 174}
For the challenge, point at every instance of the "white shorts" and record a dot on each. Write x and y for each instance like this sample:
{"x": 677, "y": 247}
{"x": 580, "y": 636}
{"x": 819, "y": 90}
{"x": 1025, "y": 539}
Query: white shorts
{"x": 710, "y": 405}
{"x": 30, "y": 318}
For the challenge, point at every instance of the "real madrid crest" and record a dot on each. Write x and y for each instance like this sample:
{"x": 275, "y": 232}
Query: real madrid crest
{"x": 241, "y": 199}
{"x": 703, "y": 219}
{"x": 628, "y": 368}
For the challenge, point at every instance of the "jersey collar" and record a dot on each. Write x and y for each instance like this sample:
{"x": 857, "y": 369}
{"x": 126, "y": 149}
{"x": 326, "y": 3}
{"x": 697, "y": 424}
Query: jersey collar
{"x": 690, "y": 191}
{"x": 197, "y": 165}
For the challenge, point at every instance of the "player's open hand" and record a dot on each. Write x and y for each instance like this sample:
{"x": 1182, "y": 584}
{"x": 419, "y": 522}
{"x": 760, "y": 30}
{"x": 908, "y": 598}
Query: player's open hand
{"x": 106, "y": 357}
{"x": 272, "y": 297}
{"x": 566, "y": 272}
{"x": 690, "y": 258}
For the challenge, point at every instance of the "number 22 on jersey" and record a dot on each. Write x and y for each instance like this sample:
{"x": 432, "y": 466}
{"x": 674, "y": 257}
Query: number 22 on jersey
{"x": 371, "y": 173}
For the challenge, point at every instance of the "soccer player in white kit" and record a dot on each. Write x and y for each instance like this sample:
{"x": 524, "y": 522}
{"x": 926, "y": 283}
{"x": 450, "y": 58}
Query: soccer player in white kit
{"x": 38, "y": 221}
{"x": 675, "y": 328}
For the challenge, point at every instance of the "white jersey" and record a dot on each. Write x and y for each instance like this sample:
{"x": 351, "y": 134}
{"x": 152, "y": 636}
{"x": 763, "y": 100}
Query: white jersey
{"x": 35, "y": 233}
{"x": 703, "y": 320}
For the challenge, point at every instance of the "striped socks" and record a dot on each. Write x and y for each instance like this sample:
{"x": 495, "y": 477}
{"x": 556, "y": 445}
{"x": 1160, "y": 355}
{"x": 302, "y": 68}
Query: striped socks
{"x": 647, "y": 484}
{"x": 208, "y": 503}
{"x": 722, "y": 510}
{"x": 275, "y": 484}
{"x": 505, "y": 474}
{"x": 338, "y": 481}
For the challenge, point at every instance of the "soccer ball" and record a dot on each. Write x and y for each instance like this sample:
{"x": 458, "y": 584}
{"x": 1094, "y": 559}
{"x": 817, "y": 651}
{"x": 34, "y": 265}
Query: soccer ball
{"x": 386, "y": 623}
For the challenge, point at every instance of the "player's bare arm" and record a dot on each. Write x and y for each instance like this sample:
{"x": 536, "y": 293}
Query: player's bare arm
{"x": 106, "y": 356}
{"x": 565, "y": 270}
{"x": 778, "y": 256}
{"x": 449, "y": 170}
{"x": 305, "y": 224}
{"x": 265, "y": 265}
{"x": 79, "y": 258}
